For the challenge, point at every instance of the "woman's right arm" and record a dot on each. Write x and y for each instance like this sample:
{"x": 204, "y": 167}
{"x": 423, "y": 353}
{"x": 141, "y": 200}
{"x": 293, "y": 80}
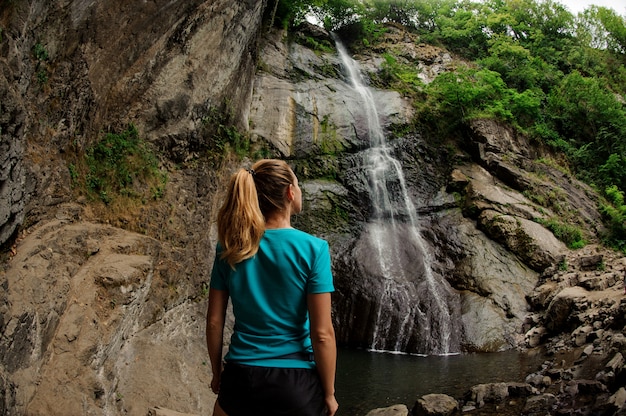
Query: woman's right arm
{"x": 215, "y": 319}
{"x": 324, "y": 345}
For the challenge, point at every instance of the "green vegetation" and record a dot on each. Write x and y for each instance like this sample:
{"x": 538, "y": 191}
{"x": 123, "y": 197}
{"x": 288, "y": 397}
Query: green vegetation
{"x": 614, "y": 212}
{"x": 571, "y": 235}
{"x": 315, "y": 44}
{"x": 399, "y": 76}
{"x": 224, "y": 139}
{"x": 41, "y": 55}
{"x": 40, "y": 52}
{"x": 120, "y": 165}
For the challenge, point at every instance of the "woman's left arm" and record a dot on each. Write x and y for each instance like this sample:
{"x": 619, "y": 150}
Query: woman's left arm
{"x": 215, "y": 320}
{"x": 324, "y": 345}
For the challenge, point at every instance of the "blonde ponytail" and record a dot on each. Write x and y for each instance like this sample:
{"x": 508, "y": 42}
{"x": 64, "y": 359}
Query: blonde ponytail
{"x": 240, "y": 223}
{"x": 252, "y": 195}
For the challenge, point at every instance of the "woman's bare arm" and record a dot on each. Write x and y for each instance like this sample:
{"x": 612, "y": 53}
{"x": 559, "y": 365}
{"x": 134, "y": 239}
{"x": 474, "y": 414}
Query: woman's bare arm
{"x": 324, "y": 345}
{"x": 215, "y": 319}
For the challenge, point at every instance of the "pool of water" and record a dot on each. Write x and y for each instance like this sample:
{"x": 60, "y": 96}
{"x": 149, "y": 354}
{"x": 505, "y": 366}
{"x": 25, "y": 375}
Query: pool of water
{"x": 371, "y": 380}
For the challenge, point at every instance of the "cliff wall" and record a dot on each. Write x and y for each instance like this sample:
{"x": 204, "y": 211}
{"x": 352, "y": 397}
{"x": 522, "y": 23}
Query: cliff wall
{"x": 102, "y": 309}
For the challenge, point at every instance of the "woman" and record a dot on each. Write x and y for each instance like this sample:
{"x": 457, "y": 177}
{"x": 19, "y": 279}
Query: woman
{"x": 282, "y": 354}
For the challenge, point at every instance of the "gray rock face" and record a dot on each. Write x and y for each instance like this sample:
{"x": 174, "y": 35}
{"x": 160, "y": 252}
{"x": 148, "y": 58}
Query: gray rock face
{"x": 166, "y": 67}
{"x": 303, "y": 104}
{"x": 12, "y": 172}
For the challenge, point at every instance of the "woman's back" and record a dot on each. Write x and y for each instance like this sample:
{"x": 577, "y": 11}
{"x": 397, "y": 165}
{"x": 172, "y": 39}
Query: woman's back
{"x": 268, "y": 293}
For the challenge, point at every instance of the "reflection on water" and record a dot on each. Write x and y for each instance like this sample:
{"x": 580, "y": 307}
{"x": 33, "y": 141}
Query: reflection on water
{"x": 367, "y": 381}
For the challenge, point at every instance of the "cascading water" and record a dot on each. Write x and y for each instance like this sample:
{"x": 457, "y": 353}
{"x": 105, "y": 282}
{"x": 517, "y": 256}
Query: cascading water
{"x": 416, "y": 308}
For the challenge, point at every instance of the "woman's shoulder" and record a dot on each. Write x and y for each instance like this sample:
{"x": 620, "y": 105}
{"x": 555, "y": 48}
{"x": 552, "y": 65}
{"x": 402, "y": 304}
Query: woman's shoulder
{"x": 296, "y": 235}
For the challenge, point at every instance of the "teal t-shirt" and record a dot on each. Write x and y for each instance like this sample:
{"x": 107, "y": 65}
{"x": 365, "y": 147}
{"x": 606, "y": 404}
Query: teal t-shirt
{"x": 268, "y": 294}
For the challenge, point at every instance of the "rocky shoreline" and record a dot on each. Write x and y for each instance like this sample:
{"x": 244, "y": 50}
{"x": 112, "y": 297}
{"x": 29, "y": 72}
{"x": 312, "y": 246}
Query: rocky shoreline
{"x": 580, "y": 327}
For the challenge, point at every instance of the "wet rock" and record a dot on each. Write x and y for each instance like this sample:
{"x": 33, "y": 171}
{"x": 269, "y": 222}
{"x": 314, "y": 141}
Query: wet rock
{"x": 539, "y": 405}
{"x": 535, "y": 336}
{"x": 395, "y": 410}
{"x": 435, "y": 405}
{"x": 560, "y": 313}
{"x": 13, "y": 198}
{"x": 488, "y": 393}
{"x": 521, "y": 389}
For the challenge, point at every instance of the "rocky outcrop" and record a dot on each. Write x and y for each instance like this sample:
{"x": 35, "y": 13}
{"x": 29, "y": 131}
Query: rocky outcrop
{"x": 76, "y": 75}
{"x": 95, "y": 319}
{"x": 88, "y": 327}
{"x": 12, "y": 171}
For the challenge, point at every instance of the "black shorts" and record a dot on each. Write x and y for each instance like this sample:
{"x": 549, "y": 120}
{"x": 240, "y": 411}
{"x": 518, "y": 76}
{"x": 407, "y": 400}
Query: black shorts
{"x": 268, "y": 391}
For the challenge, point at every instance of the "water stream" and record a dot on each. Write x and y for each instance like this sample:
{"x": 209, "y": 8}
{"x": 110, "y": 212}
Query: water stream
{"x": 415, "y": 303}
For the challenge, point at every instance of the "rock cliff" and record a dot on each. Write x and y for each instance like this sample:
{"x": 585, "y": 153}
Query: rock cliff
{"x": 102, "y": 311}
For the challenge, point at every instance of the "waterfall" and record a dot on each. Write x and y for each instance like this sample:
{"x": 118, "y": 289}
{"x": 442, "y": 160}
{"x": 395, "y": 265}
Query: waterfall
{"x": 412, "y": 298}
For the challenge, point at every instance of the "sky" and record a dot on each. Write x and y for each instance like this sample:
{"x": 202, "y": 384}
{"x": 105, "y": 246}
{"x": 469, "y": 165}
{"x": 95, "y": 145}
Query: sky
{"x": 576, "y": 6}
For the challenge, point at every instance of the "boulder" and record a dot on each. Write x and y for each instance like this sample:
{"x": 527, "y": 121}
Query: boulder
{"x": 533, "y": 243}
{"x": 581, "y": 335}
{"x": 535, "y": 336}
{"x": 591, "y": 262}
{"x": 618, "y": 399}
{"x": 539, "y": 405}
{"x": 616, "y": 364}
{"x": 559, "y": 314}
{"x": 395, "y": 410}
{"x": 435, "y": 405}
{"x": 489, "y": 393}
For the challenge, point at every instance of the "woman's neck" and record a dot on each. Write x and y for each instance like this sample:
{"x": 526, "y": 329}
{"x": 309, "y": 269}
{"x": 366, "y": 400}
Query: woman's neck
{"x": 278, "y": 221}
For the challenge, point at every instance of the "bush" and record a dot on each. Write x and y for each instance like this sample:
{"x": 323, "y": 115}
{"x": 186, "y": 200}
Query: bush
{"x": 120, "y": 165}
{"x": 571, "y": 235}
{"x": 614, "y": 212}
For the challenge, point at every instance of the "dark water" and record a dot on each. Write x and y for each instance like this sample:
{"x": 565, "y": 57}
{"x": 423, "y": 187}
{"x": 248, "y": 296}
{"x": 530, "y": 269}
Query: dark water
{"x": 367, "y": 380}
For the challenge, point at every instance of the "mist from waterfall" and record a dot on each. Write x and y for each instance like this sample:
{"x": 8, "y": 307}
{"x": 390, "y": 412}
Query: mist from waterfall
{"x": 412, "y": 299}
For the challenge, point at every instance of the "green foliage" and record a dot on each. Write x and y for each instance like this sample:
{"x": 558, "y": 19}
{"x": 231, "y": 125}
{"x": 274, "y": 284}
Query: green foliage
{"x": 571, "y": 235}
{"x": 117, "y": 165}
{"x": 41, "y": 55}
{"x": 614, "y": 211}
{"x": 224, "y": 139}
{"x": 40, "y": 52}
{"x": 592, "y": 119}
{"x": 401, "y": 77}
{"x": 42, "y": 76}
{"x": 481, "y": 93}
{"x": 316, "y": 45}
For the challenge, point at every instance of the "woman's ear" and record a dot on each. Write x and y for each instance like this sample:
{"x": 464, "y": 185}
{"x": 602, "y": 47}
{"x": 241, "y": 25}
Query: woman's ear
{"x": 291, "y": 194}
